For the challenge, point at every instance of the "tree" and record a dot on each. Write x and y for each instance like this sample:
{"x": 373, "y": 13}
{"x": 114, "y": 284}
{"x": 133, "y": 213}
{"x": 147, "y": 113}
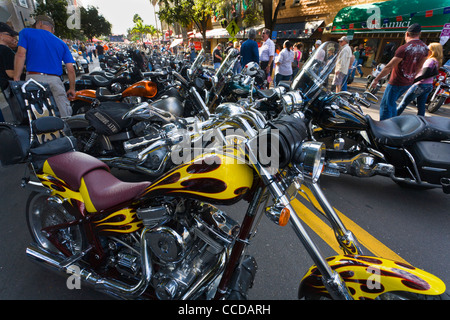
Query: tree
{"x": 270, "y": 15}
{"x": 57, "y": 10}
{"x": 186, "y": 12}
{"x": 93, "y": 24}
{"x": 140, "y": 28}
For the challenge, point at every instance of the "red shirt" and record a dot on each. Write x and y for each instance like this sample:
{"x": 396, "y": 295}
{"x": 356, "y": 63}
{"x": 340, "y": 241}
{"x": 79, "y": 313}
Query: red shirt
{"x": 411, "y": 53}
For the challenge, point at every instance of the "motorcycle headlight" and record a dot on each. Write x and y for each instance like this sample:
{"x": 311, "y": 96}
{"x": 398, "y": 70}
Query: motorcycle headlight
{"x": 310, "y": 158}
{"x": 291, "y": 101}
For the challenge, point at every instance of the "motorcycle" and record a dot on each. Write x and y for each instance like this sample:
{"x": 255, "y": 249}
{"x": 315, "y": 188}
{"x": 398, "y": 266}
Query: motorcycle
{"x": 134, "y": 87}
{"x": 167, "y": 240}
{"x": 377, "y": 68}
{"x": 441, "y": 90}
{"x": 412, "y": 150}
{"x": 81, "y": 64}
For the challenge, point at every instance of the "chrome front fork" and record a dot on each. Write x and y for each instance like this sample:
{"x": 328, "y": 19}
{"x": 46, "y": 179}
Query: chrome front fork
{"x": 331, "y": 279}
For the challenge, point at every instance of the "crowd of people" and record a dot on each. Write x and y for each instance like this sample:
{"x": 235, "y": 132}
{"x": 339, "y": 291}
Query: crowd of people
{"x": 24, "y": 56}
{"x": 412, "y": 66}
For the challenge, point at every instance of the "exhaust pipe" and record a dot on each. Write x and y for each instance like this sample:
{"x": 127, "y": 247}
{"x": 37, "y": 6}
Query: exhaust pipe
{"x": 114, "y": 287}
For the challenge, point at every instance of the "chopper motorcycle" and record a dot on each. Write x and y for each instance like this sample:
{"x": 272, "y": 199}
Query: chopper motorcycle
{"x": 165, "y": 239}
{"x": 412, "y": 150}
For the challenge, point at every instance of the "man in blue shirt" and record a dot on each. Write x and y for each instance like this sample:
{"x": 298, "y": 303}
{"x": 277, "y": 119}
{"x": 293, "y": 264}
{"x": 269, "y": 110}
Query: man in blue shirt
{"x": 44, "y": 54}
{"x": 249, "y": 49}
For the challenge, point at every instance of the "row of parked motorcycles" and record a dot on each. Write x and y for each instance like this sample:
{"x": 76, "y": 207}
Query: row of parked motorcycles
{"x": 202, "y": 139}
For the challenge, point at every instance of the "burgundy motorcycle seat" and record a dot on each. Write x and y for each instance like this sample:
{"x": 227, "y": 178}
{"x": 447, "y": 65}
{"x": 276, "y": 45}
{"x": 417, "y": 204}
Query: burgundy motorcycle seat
{"x": 104, "y": 190}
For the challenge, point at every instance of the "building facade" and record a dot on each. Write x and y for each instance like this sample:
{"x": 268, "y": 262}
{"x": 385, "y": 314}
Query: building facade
{"x": 17, "y": 13}
{"x": 375, "y": 24}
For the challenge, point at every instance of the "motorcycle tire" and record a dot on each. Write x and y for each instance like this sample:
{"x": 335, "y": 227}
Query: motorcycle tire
{"x": 42, "y": 212}
{"x": 434, "y": 106}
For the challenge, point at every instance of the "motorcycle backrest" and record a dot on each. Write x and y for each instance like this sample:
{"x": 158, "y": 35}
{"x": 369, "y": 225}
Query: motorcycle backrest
{"x": 30, "y": 100}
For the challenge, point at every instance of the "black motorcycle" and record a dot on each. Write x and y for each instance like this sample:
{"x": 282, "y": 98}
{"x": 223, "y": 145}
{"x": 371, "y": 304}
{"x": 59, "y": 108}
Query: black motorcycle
{"x": 412, "y": 150}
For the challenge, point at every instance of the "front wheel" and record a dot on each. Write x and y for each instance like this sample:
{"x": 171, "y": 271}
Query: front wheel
{"x": 434, "y": 105}
{"x": 42, "y": 213}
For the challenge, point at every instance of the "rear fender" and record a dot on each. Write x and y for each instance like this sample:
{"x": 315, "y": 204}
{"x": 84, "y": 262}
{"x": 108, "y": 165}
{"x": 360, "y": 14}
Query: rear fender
{"x": 368, "y": 277}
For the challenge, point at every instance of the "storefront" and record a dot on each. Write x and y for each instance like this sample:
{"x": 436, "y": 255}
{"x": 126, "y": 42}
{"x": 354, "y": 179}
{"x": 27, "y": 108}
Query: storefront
{"x": 381, "y": 25}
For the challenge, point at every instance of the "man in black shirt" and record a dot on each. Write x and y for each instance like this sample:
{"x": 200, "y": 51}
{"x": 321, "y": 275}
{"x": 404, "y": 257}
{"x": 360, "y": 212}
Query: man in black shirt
{"x": 217, "y": 56}
{"x": 8, "y": 40}
{"x": 100, "y": 51}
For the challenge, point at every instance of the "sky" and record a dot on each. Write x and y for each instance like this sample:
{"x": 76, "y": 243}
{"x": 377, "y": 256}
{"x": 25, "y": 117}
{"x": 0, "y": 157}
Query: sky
{"x": 120, "y": 12}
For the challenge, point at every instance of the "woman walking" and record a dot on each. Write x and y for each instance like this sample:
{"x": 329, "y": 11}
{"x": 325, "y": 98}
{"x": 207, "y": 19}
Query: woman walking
{"x": 283, "y": 63}
{"x": 423, "y": 84}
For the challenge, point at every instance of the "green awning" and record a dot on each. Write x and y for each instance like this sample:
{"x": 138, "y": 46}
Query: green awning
{"x": 394, "y": 16}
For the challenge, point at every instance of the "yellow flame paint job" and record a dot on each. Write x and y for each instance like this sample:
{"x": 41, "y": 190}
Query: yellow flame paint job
{"x": 368, "y": 277}
{"x": 127, "y": 222}
{"x": 234, "y": 174}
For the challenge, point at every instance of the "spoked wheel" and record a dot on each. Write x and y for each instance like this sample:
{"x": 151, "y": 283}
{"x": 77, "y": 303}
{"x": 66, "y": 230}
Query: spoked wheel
{"x": 434, "y": 106}
{"x": 43, "y": 212}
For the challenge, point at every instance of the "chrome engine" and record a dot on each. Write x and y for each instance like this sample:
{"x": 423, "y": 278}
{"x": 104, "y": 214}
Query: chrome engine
{"x": 188, "y": 249}
{"x": 180, "y": 253}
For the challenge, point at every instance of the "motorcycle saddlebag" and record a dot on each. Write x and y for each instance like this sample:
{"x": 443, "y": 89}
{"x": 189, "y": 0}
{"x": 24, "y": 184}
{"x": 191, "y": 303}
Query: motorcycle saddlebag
{"x": 14, "y": 144}
{"x": 433, "y": 160}
{"x": 107, "y": 118}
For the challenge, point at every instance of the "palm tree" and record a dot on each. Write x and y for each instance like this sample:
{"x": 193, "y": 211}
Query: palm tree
{"x": 140, "y": 28}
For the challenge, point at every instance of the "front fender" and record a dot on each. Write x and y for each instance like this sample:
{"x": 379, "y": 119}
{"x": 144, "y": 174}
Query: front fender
{"x": 368, "y": 277}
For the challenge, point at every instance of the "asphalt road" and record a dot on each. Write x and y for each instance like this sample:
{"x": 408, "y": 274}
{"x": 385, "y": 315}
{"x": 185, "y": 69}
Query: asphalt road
{"x": 409, "y": 224}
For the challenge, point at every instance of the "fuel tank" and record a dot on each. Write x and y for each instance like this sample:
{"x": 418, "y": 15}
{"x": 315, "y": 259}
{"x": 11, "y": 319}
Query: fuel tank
{"x": 145, "y": 88}
{"x": 342, "y": 118}
{"x": 213, "y": 178}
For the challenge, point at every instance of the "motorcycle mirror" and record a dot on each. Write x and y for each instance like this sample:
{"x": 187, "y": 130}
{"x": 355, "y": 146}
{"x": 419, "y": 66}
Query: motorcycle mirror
{"x": 370, "y": 97}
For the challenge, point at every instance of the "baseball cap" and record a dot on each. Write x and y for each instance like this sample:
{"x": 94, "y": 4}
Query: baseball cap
{"x": 343, "y": 38}
{"x": 45, "y": 18}
{"x": 318, "y": 42}
{"x": 414, "y": 28}
{"x": 6, "y": 28}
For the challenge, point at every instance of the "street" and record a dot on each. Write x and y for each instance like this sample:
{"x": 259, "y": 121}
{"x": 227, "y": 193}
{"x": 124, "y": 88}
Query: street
{"x": 389, "y": 221}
